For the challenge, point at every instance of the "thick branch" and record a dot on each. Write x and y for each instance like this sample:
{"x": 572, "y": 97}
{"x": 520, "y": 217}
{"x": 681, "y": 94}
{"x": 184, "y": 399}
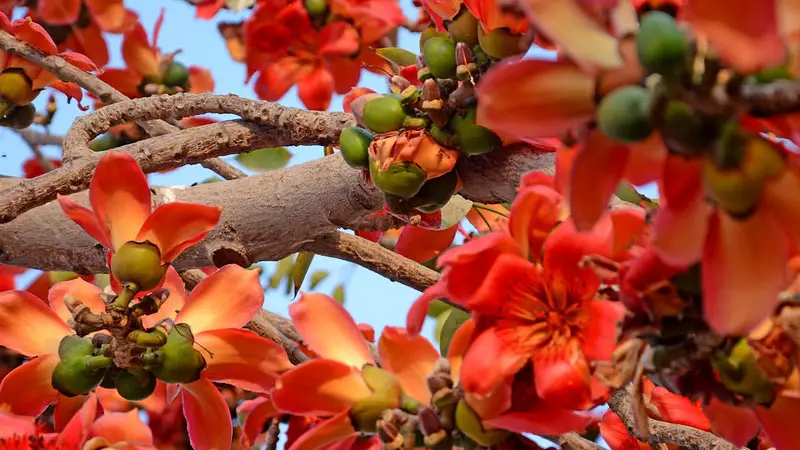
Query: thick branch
{"x": 668, "y": 433}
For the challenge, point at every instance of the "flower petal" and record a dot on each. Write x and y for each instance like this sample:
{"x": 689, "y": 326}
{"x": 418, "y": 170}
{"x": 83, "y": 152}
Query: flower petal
{"x": 137, "y": 52}
{"x": 488, "y": 362}
{"x": 120, "y": 196}
{"x": 531, "y": 99}
{"x": 12, "y": 424}
{"x": 329, "y": 331}
{"x": 543, "y": 419}
{"x": 678, "y": 409}
{"x": 65, "y": 410}
{"x": 174, "y": 303}
{"x": 562, "y": 376}
{"x": 256, "y": 412}
{"x": 27, "y": 390}
{"x": 111, "y": 401}
{"x": 735, "y": 424}
{"x": 615, "y": 433}
{"x": 534, "y": 214}
{"x": 600, "y": 332}
{"x": 319, "y": 387}
{"x": 28, "y": 325}
{"x": 459, "y": 345}
{"x": 678, "y": 234}
{"x": 122, "y": 427}
{"x": 86, "y": 218}
{"x": 335, "y": 429}
{"x": 124, "y": 80}
{"x": 779, "y": 422}
{"x": 782, "y": 196}
{"x": 111, "y": 15}
{"x": 208, "y": 418}
{"x": 229, "y": 298}
{"x": 87, "y": 293}
{"x": 243, "y": 358}
{"x": 200, "y": 80}
{"x": 742, "y": 275}
{"x": 77, "y": 430}
{"x": 496, "y": 402}
{"x": 410, "y": 358}
{"x": 420, "y": 245}
{"x": 176, "y": 226}
{"x": 316, "y": 89}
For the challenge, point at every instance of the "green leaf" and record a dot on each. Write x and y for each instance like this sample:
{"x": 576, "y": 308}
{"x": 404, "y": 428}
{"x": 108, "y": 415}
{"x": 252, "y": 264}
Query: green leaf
{"x": 265, "y": 159}
{"x": 454, "y": 320}
{"x": 102, "y": 280}
{"x": 628, "y": 193}
{"x": 454, "y": 211}
{"x": 399, "y": 56}
{"x": 437, "y": 307}
{"x": 283, "y": 270}
{"x": 440, "y": 321}
{"x": 301, "y": 265}
{"x": 338, "y": 293}
{"x": 317, "y": 277}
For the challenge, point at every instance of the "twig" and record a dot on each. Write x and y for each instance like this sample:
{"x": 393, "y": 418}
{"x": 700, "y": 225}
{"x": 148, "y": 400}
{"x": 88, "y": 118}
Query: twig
{"x": 223, "y": 169}
{"x": 37, "y": 151}
{"x": 574, "y": 441}
{"x": 667, "y": 433}
{"x": 273, "y": 434}
{"x": 35, "y": 137}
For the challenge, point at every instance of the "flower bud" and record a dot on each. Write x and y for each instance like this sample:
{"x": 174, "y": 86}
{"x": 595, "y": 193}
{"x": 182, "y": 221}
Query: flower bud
{"x": 354, "y": 143}
{"x": 435, "y": 193}
{"x": 365, "y": 413}
{"x": 473, "y": 139}
{"x": 501, "y": 43}
{"x": 16, "y": 87}
{"x": 740, "y": 372}
{"x": 104, "y": 142}
{"x": 73, "y": 346}
{"x": 383, "y": 114}
{"x": 426, "y": 35}
{"x": 175, "y": 74}
{"x": 470, "y": 424}
{"x": 464, "y": 27}
{"x": 624, "y": 114}
{"x": 138, "y": 263}
{"x": 19, "y": 117}
{"x": 398, "y": 84}
{"x": 403, "y": 179}
{"x": 78, "y": 375}
{"x": 660, "y": 44}
{"x": 177, "y": 361}
{"x": 318, "y": 9}
{"x": 440, "y": 57}
{"x": 389, "y": 435}
{"x": 135, "y": 384}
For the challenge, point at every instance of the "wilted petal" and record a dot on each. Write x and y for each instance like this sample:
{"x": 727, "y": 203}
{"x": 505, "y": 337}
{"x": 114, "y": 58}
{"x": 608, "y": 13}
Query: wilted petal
{"x": 742, "y": 272}
{"x": 228, "y": 299}
{"x": 328, "y": 432}
{"x": 779, "y": 422}
{"x": 535, "y": 98}
{"x": 207, "y": 416}
{"x": 562, "y": 377}
{"x": 176, "y": 226}
{"x": 319, "y": 387}
{"x": 410, "y": 358}
{"x": 27, "y": 390}
{"x": 420, "y": 245}
{"x": 256, "y": 412}
{"x": 120, "y": 196}
{"x": 122, "y": 427}
{"x": 242, "y": 358}
{"x": 543, "y": 419}
{"x": 87, "y": 293}
{"x": 174, "y": 303}
{"x": 28, "y": 325}
{"x": 86, "y": 219}
{"x": 600, "y": 332}
{"x": 489, "y": 360}
{"x": 329, "y": 330}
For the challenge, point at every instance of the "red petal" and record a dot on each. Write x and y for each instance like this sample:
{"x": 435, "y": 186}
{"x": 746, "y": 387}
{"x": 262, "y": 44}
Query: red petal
{"x": 111, "y": 401}
{"x": 27, "y": 390}
{"x": 335, "y": 429}
{"x": 120, "y": 196}
{"x": 200, "y": 80}
{"x": 256, "y": 412}
{"x": 207, "y": 416}
{"x": 316, "y": 89}
{"x": 176, "y": 226}
{"x": 494, "y": 403}
{"x": 319, "y": 387}
{"x": 174, "y": 303}
{"x": 562, "y": 377}
{"x": 600, "y": 332}
{"x": 488, "y": 362}
{"x": 420, "y": 245}
{"x": 682, "y": 182}
{"x": 111, "y": 15}
{"x": 782, "y": 197}
{"x": 124, "y": 80}
{"x": 646, "y": 160}
{"x": 675, "y": 408}
{"x": 779, "y": 422}
{"x": 678, "y": 235}
{"x": 735, "y": 424}
{"x": 243, "y": 359}
{"x": 329, "y": 331}
{"x": 65, "y": 410}
{"x": 615, "y": 433}
{"x": 204, "y": 310}
{"x": 34, "y": 34}
{"x": 352, "y": 95}
{"x": 124, "y": 427}
{"x": 277, "y": 77}
{"x": 86, "y": 218}
{"x": 543, "y": 419}
{"x": 742, "y": 275}
{"x": 459, "y": 345}
{"x": 208, "y": 10}
{"x": 410, "y": 358}
{"x": 89, "y": 41}
{"x": 11, "y": 425}
{"x": 87, "y": 293}
{"x": 534, "y": 214}
{"x": 80, "y": 61}
{"x": 71, "y": 91}
{"x": 28, "y": 325}
{"x": 139, "y": 56}
{"x": 339, "y": 38}
{"x": 77, "y": 430}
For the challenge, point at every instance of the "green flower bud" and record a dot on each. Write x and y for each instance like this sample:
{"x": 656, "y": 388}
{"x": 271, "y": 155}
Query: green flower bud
{"x": 473, "y": 139}
{"x": 354, "y": 143}
{"x": 72, "y": 346}
{"x": 104, "y": 142}
{"x": 175, "y": 75}
{"x": 135, "y": 384}
{"x": 501, "y": 43}
{"x": 740, "y": 372}
{"x": 685, "y": 130}
{"x": 384, "y": 114}
{"x": 470, "y": 424}
{"x": 440, "y": 57}
{"x": 624, "y": 114}
{"x": 78, "y": 375}
{"x": 403, "y": 179}
{"x": 464, "y": 27}
{"x": 317, "y": 9}
{"x": 660, "y": 44}
{"x": 427, "y": 34}
{"x": 444, "y": 136}
{"x": 435, "y": 193}
{"x": 138, "y": 263}
{"x": 177, "y": 361}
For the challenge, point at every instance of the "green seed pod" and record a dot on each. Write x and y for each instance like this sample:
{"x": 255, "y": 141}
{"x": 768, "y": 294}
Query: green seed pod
{"x": 443, "y": 136}
{"x": 135, "y": 384}
{"x": 501, "y": 43}
{"x": 110, "y": 378}
{"x": 403, "y": 179}
{"x": 473, "y": 139}
{"x": 72, "y": 346}
{"x": 440, "y": 57}
{"x": 177, "y": 361}
{"x": 686, "y": 131}
{"x": 104, "y": 142}
{"x": 437, "y": 192}
{"x": 624, "y": 114}
{"x": 139, "y": 263}
{"x": 384, "y": 114}
{"x": 176, "y": 75}
{"x": 317, "y": 9}
{"x": 354, "y": 143}
{"x": 20, "y": 117}
{"x": 79, "y": 374}
{"x": 464, "y": 27}
{"x": 428, "y": 33}
{"x": 660, "y": 44}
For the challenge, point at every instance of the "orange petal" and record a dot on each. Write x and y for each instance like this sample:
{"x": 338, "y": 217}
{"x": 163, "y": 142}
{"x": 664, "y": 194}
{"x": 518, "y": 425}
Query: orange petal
{"x": 87, "y": 293}
{"x": 779, "y": 422}
{"x": 111, "y": 15}
{"x": 346, "y": 73}
{"x": 89, "y": 41}
{"x": 678, "y": 235}
{"x": 745, "y": 33}
{"x": 531, "y": 99}
{"x": 256, "y": 412}
{"x": 489, "y": 361}
{"x": 335, "y": 429}
{"x": 207, "y": 416}
{"x": 80, "y": 61}
{"x": 534, "y": 214}
{"x": 319, "y": 387}
{"x": 124, "y": 80}
{"x": 646, "y": 160}
{"x": 316, "y": 89}
{"x": 176, "y": 226}
{"x": 575, "y": 31}
{"x": 111, "y": 401}
{"x": 735, "y": 424}
{"x": 782, "y": 197}
{"x": 137, "y": 52}
{"x": 243, "y": 358}
{"x": 11, "y": 425}
{"x": 86, "y": 218}
{"x": 600, "y": 333}
{"x": 120, "y": 196}
{"x": 227, "y": 299}
{"x": 66, "y": 408}
{"x": 34, "y": 34}
{"x": 410, "y": 358}
{"x": 420, "y": 245}
{"x": 329, "y": 331}
{"x": 28, "y": 325}
{"x": 562, "y": 377}
{"x": 615, "y": 433}
{"x": 122, "y": 427}
{"x": 742, "y": 274}
{"x": 174, "y": 303}
{"x": 77, "y": 430}
{"x": 677, "y": 409}
{"x": 27, "y": 390}
{"x": 200, "y": 80}
{"x": 493, "y": 404}
{"x": 459, "y": 345}
{"x": 543, "y": 419}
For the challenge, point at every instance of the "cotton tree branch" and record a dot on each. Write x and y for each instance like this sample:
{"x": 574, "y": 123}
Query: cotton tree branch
{"x": 574, "y": 441}
{"x": 667, "y": 433}
{"x": 37, "y": 151}
{"x": 34, "y": 137}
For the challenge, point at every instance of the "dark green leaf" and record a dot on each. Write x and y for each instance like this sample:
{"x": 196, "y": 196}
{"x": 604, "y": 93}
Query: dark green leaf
{"x": 455, "y": 319}
{"x": 437, "y": 307}
{"x": 301, "y": 265}
{"x": 317, "y": 277}
{"x": 399, "y": 56}
{"x": 265, "y": 159}
{"x": 338, "y": 293}
{"x": 628, "y": 193}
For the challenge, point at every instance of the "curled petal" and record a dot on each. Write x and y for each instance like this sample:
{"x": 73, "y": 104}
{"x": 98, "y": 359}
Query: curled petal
{"x": 329, "y": 330}
{"x": 28, "y": 325}
{"x": 174, "y": 303}
{"x": 71, "y": 90}
{"x": 488, "y": 362}
{"x": 742, "y": 276}
{"x": 87, "y": 293}
{"x": 86, "y": 218}
{"x": 137, "y": 52}
{"x": 319, "y": 387}
{"x": 243, "y": 358}
{"x": 543, "y": 419}
{"x": 562, "y": 377}
{"x": 420, "y": 245}
{"x": 335, "y": 429}
{"x": 124, "y": 427}
{"x": 208, "y": 418}
{"x": 176, "y": 226}
{"x": 410, "y": 358}
{"x": 111, "y": 401}
{"x": 256, "y": 412}
{"x": 229, "y": 298}
{"x": 27, "y": 390}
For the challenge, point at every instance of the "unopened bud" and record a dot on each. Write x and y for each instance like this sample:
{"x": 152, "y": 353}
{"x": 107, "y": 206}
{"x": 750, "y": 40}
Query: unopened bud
{"x": 444, "y": 397}
{"x": 430, "y": 90}
{"x": 389, "y": 435}
{"x": 428, "y": 421}
{"x": 421, "y": 62}
{"x": 442, "y": 366}
{"x": 438, "y": 382}
{"x": 464, "y": 55}
{"x": 398, "y": 84}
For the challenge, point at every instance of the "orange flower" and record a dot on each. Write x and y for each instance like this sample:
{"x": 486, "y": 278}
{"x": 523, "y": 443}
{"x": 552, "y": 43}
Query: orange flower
{"x": 333, "y": 383}
{"x": 121, "y": 211}
{"x": 110, "y": 15}
{"x": 374, "y": 19}
{"x": 416, "y": 146}
{"x": 488, "y": 12}
{"x": 24, "y": 80}
{"x": 32, "y": 167}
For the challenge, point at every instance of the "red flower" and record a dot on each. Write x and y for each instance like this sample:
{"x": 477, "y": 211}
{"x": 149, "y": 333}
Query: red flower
{"x": 374, "y": 19}
{"x": 110, "y": 15}
{"x": 8, "y": 276}
{"x": 488, "y": 12}
{"x": 32, "y": 167}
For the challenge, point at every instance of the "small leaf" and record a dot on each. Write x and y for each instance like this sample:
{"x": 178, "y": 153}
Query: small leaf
{"x": 102, "y": 280}
{"x": 440, "y": 321}
{"x": 301, "y": 265}
{"x": 454, "y": 211}
{"x": 455, "y": 319}
{"x": 283, "y": 269}
{"x": 437, "y": 307}
{"x": 338, "y": 293}
{"x": 265, "y": 159}
{"x": 628, "y": 193}
{"x": 317, "y": 277}
{"x": 396, "y": 55}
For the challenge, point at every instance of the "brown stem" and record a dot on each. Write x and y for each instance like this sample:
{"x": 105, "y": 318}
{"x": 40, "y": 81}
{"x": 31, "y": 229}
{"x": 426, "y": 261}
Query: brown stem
{"x": 574, "y": 441}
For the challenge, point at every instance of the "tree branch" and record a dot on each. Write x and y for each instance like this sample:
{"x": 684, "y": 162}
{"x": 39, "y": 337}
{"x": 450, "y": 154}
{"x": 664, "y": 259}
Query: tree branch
{"x": 574, "y": 441}
{"x": 34, "y": 137}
